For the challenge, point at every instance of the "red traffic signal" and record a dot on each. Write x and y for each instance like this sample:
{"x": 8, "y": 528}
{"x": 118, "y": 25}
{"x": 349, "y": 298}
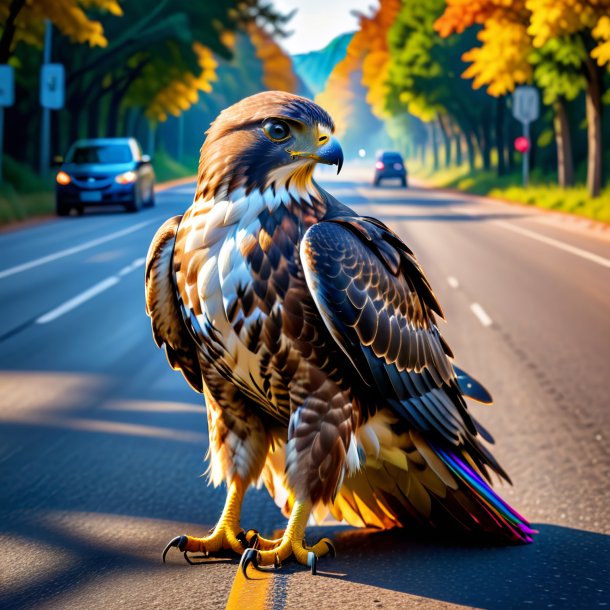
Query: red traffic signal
{"x": 522, "y": 144}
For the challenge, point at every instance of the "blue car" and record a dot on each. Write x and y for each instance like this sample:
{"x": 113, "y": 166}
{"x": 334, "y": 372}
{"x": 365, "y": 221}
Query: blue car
{"x": 104, "y": 172}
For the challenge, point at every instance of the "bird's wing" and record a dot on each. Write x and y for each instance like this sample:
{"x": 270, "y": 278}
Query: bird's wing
{"x": 378, "y": 305}
{"x": 163, "y": 308}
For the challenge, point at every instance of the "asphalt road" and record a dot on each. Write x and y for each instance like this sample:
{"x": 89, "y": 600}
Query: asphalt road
{"x": 102, "y": 445}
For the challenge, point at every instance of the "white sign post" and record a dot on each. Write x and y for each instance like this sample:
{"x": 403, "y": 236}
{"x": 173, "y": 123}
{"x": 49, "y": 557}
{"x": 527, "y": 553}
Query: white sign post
{"x": 7, "y": 98}
{"x": 526, "y": 108}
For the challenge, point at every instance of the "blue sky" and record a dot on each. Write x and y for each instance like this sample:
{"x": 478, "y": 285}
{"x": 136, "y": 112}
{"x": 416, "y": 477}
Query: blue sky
{"x": 317, "y": 22}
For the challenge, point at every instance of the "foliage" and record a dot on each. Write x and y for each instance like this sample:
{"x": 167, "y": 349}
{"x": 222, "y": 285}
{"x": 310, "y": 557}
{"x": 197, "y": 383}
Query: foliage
{"x": 365, "y": 65}
{"x": 71, "y": 17}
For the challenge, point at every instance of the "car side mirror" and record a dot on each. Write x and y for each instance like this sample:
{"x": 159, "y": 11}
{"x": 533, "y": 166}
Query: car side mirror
{"x": 146, "y": 159}
{"x": 57, "y": 160}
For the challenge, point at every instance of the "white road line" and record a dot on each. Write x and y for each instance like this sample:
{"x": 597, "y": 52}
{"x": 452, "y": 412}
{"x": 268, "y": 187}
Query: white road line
{"x": 137, "y": 263}
{"x": 88, "y": 294}
{"x": 453, "y": 282}
{"x": 595, "y": 258}
{"x": 78, "y": 300}
{"x": 89, "y": 244}
{"x": 481, "y": 314}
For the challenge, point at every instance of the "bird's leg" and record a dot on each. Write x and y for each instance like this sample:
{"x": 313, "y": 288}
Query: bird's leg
{"x": 238, "y": 447}
{"x": 319, "y": 435}
{"x": 227, "y": 534}
{"x": 292, "y": 544}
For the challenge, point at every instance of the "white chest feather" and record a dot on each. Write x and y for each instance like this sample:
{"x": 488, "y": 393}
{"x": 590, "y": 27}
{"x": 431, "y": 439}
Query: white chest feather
{"x": 219, "y": 236}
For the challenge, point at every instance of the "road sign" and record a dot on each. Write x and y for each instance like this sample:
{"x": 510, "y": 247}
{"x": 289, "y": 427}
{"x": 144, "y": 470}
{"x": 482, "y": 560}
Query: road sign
{"x": 7, "y": 85}
{"x": 522, "y": 144}
{"x": 52, "y": 86}
{"x": 526, "y": 104}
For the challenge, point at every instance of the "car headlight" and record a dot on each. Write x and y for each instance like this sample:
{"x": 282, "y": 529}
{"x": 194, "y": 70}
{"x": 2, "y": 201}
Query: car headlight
{"x": 127, "y": 177}
{"x": 63, "y": 178}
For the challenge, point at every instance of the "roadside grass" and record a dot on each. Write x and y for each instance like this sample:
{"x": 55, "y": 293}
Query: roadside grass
{"x": 167, "y": 168}
{"x": 539, "y": 193}
{"x": 23, "y": 193}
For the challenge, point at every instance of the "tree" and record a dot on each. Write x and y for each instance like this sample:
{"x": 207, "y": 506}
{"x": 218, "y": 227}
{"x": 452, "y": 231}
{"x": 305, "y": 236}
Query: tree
{"x": 588, "y": 20}
{"x": 23, "y": 22}
{"x": 557, "y": 72}
{"x": 424, "y": 78}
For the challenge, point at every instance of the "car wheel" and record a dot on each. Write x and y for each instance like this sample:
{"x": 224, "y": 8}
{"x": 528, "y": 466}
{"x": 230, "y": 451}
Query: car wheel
{"x": 404, "y": 182}
{"x": 376, "y": 181}
{"x": 135, "y": 205}
{"x": 62, "y": 209}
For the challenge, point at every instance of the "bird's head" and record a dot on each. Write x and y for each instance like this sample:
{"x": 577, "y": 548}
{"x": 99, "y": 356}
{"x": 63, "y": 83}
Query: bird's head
{"x": 271, "y": 138}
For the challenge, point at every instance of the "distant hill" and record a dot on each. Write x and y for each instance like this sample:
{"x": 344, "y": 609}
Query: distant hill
{"x": 315, "y": 67}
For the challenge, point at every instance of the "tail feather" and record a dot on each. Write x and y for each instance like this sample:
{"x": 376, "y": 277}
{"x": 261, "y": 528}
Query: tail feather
{"x": 505, "y": 517}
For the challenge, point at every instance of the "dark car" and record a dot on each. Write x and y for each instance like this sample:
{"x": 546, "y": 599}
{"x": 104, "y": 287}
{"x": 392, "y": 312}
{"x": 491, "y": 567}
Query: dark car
{"x": 105, "y": 171}
{"x": 390, "y": 165}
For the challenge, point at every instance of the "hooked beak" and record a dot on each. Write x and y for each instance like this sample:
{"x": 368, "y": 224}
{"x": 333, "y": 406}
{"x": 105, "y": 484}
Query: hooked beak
{"x": 329, "y": 153}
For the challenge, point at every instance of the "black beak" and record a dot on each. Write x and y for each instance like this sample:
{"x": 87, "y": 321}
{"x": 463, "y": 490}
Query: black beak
{"x": 331, "y": 153}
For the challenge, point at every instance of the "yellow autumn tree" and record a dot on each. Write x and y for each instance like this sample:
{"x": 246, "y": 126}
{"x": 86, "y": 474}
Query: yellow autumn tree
{"x": 366, "y": 63}
{"x": 182, "y": 90}
{"x": 589, "y": 20}
{"x": 502, "y": 61}
{"x": 23, "y": 21}
{"x": 278, "y": 73}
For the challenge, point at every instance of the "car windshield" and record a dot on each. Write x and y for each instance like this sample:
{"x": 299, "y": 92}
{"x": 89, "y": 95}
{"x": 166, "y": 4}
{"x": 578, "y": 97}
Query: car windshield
{"x": 101, "y": 153}
{"x": 392, "y": 158}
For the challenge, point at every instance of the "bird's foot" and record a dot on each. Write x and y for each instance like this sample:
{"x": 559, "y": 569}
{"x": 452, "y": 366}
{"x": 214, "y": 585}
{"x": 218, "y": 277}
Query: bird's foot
{"x": 289, "y": 546}
{"x": 222, "y": 538}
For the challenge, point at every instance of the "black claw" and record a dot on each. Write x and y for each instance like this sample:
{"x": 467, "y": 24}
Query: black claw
{"x": 331, "y": 548}
{"x": 252, "y": 541}
{"x": 312, "y": 562}
{"x": 243, "y": 539}
{"x": 250, "y": 556}
{"x": 178, "y": 541}
{"x": 190, "y": 559}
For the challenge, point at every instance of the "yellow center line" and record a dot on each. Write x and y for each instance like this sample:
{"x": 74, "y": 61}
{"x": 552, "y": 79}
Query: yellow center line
{"x": 250, "y": 593}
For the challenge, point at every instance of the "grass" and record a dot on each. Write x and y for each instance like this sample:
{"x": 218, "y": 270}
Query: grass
{"x": 540, "y": 193}
{"x": 23, "y": 193}
{"x": 167, "y": 168}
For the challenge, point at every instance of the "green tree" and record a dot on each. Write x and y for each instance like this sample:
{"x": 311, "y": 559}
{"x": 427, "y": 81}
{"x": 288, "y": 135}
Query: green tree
{"x": 557, "y": 71}
{"x": 425, "y": 79}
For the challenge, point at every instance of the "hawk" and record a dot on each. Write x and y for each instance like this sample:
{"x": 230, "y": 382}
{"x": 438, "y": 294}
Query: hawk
{"x": 312, "y": 333}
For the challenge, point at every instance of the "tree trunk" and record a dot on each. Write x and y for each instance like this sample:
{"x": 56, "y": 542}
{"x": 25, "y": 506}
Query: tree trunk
{"x": 432, "y": 131}
{"x": 470, "y": 149}
{"x": 458, "y": 149}
{"x": 93, "y": 118}
{"x": 563, "y": 140}
{"x": 485, "y": 143}
{"x": 9, "y": 29}
{"x": 446, "y": 140}
{"x": 594, "y": 128}
{"x": 112, "y": 120}
{"x": 500, "y": 135}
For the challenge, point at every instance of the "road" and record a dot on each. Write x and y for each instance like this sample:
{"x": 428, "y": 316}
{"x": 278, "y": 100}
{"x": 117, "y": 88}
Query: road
{"x": 102, "y": 445}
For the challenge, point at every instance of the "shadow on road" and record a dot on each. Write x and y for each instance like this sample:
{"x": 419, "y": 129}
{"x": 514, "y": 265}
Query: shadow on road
{"x": 563, "y": 568}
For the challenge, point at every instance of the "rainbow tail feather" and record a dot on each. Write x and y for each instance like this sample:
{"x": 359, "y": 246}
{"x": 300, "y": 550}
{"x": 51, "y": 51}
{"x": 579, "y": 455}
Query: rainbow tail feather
{"x": 485, "y": 507}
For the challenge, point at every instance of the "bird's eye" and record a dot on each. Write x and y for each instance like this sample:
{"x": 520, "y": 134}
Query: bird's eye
{"x": 276, "y": 130}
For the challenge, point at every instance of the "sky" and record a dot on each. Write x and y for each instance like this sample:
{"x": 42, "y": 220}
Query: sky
{"x": 317, "y": 22}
